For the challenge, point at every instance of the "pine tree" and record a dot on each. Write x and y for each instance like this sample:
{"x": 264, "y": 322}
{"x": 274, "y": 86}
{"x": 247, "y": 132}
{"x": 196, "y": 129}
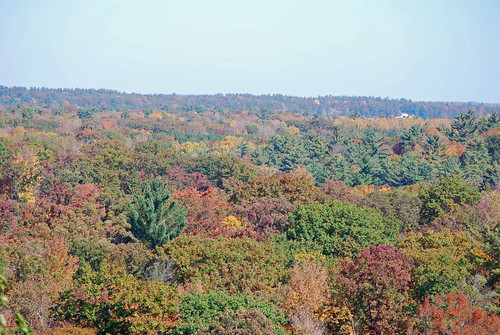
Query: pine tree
{"x": 464, "y": 127}
{"x": 154, "y": 218}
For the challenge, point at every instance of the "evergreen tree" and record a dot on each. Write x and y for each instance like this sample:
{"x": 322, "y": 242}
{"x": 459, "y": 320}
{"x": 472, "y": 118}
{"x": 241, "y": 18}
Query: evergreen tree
{"x": 493, "y": 145}
{"x": 154, "y": 218}
{"x": 464, "y": 127}
{"x": 433, "y": 155}
{"x": 493, "y": 121}
{"x": 412, "y": 137}
{"x": 475, "y": 163}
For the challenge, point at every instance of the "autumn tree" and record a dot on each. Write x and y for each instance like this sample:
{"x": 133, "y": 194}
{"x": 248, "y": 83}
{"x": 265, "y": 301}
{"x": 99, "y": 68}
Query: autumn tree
{"x": 25, "y": 173}
{"x": 234, "y": 264}
{"x": 22, "y": 327}
{"x": 445, "y": 197}
{"x": 400, "y": 204}
{"x": 442, "y": 261}
{"x": 117, "y": 303}
{"x": 297, "y": 187}
{"x": 377, "y": 287}
{"x": 308, "y": 291}
{"x": 266, "y": 215}
{"x": 205, "y": 211}
{"x": 453, "y": 313}
{"x": 42, "y": 273}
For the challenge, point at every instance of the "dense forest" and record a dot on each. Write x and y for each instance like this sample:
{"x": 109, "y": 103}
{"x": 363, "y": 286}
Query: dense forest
{"x": 330, "y": 106}
{"x": 240, "y": 214}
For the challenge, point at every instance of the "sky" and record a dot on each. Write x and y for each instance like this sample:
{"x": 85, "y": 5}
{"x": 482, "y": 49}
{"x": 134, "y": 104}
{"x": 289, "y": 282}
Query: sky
{"x": 437, "y": 50}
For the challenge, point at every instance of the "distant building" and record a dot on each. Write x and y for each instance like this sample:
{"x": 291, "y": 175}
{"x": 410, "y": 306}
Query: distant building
{"x": 402, "y": 116}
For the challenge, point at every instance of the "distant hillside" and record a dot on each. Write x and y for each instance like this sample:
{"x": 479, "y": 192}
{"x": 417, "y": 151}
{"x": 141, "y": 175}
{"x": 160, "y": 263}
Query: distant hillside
{"x": 326, "y": 105}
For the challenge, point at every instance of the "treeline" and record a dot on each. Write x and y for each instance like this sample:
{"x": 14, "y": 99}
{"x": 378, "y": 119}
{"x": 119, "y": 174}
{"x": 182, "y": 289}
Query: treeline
{"x": 213, "y": 221}
{"x": 330, "y": 106}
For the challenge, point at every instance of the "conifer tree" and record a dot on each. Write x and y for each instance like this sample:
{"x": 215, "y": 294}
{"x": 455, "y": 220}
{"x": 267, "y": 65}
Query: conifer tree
{"x": 464, "y": 127}
{"x": 154, "y": 218}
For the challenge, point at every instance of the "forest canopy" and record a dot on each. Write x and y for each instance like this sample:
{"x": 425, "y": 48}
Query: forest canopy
{"x": 240, "y": 214}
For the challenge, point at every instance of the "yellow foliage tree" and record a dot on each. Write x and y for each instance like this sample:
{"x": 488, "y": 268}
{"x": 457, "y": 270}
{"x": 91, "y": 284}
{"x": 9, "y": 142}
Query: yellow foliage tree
{"x": 26, "y": 172}
{"x": 307, "y": 294}
{"x": 228, "y": 143}
{"x": 156, "y": 115}
{"x": 233, "y": 222}
{"x": 292, "y": 130}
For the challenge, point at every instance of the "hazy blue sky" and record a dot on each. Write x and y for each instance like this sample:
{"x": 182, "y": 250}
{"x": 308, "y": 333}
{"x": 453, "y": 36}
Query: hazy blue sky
{"x": 422, "y": 50}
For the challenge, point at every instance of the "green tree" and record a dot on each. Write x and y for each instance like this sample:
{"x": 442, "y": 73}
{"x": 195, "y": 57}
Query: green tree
{"x": 365, "y": 154}
{"x": 86, "y": 113}
{"x": 240, "y": 322}
{"x": 342, "y": 229}
{"x": 442, "y": 261}
{"x": 154, "y": 218}
{"x": 493, "y": 145}
{"x": 445, "y": 197}
{"x": 206, "y": 312}
{"x": 412, "y": 137}
{"x": 410, "y": 170}
{"x": 283, "y": 152}
{"x": 475, "y": 163}
{"x": 493, "y": 121}
{"x": 464, "y": 127}
{"x": 219, "y": 168}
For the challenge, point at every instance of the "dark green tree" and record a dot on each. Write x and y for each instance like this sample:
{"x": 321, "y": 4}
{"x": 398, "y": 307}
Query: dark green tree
{"x": 86, "y": 113}
{"x": 283, "y": 152}
{"x": 366, "y": 155}
{"x": 412, "y": 137}
{"x": 493, "y": 145}
{"x": 464, "y": 127}
{"x": 475, "y": 163}
{"x": 154, "y": 218}
{"x": 410, "y": 170}
{"x": 451, "y": 167}
{"x": 219, "y": 168}
{"x": 493, "y": 121}
{"x": 433, "y": 152}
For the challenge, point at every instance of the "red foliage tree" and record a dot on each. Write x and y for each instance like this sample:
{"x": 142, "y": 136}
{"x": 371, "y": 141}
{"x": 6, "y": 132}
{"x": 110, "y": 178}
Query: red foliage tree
{"x": 266, "y": 215}
{"x": 181, "y": 180}
{"x": 206, "y": 210}
{"x": 452, "y": 314}
{"x": 376, "y": 285}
